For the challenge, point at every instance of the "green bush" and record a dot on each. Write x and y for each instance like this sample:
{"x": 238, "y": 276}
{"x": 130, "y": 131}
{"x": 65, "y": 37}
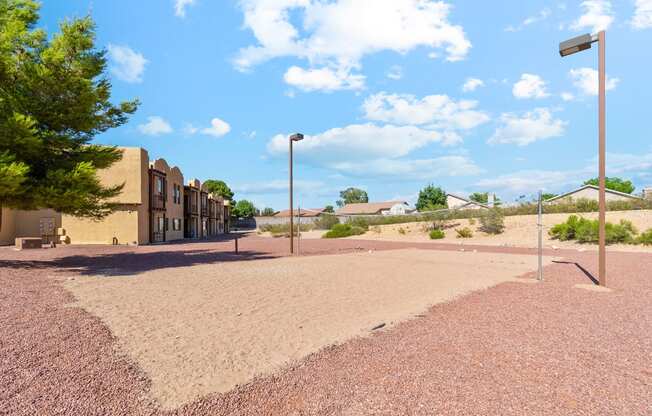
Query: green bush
{"x": 464, "y": 232}
{"x": 344, "y": 230}
{"x": 283, "y": 230}
{"x": 586, "y": 231}
{"x": 326, "y": 222}
{"x": 645, "y": 238}
{"x": 437, "y": 234}
{"x": 493, "y": 221}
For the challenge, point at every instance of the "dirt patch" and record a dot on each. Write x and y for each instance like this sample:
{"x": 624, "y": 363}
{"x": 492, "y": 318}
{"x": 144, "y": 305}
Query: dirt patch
{"x": 207, "y": 328}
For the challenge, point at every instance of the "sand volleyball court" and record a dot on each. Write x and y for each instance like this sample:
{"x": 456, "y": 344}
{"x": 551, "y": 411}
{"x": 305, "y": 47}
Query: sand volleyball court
{"x": 207, "y": 328}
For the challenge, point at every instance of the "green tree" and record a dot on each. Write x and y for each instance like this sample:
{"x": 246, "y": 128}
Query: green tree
{"x": 267, "y": 212}
{"x": 545, "y": 196}
{"x": 218, "y": 188}
{"x": 54, "y": 99}
{"x": 431, "y": 198}
{"x": 352, "y": 196}
{"x": 616, "y": 184}
{"x": 329, "y": 208}
{"x": 480, "y": 197}
{"x": 244, "y": 209}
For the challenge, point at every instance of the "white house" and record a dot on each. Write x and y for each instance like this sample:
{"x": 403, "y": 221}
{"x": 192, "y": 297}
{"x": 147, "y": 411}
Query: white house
{"x": 458, "y": 202}
{"x": 376, "y": 208}
{"x": 592, "y": 192}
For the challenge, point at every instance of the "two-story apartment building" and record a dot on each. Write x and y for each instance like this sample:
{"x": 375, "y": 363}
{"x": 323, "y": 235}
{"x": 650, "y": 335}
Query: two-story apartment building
{"x": 153, "y": 207}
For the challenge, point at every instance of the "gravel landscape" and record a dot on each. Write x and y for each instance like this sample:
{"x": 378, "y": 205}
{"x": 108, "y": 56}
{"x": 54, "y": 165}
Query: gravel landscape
{"x": 544, "y": 348}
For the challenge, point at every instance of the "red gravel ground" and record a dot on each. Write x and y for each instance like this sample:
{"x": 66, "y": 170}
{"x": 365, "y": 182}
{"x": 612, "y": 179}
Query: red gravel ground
{"x": 535, "y": 349}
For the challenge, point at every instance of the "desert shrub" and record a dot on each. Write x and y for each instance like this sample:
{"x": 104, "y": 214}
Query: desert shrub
{"x": 471, "y": 221}
{"x": 645, "y": 238}
{"x": 437, "y": 234}
{"x": 464, "y": 232}
{"x": 402, "y": 231}
{"x": 283, "y": 230}
{"x": 493, "y": 221}
{"x": 587, "y": 231}
{"x": 326, "y": 222}
{"x": 363, "y": 222}
{"x": 344, "y": 230}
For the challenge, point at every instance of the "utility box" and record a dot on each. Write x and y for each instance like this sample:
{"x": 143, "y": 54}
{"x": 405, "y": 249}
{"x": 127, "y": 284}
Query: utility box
{"x": 23, "y": 243}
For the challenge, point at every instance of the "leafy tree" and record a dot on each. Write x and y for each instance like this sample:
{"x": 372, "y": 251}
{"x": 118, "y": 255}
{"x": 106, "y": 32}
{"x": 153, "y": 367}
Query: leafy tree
{"x": 616, "y": 184}
{"x": 267, "y": 212}
{"x": 244, "y": 209}
{"x": 480, "y": 197}
{"x": 218, "y": 188}
{"x": 54, "y": 99}
{"x": 329, "y": 208}
{"x": 545, "y": 196}
{"x": 431, "y": 198}
{"x": 352, "y": 196}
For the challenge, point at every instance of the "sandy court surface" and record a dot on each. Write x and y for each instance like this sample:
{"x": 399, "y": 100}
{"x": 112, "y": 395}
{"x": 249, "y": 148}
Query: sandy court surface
{"x": 207, "y": 328}
{"x": 520, "y": 231}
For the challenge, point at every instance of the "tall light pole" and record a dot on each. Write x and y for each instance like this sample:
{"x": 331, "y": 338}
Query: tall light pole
{"x": 570, "y": 47}
{"x": 293, "y": 138}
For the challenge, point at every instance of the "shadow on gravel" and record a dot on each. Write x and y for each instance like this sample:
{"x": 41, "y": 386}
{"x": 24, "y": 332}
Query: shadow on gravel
{"x": 122, "y": 264}
{"x": 586, "y": 272}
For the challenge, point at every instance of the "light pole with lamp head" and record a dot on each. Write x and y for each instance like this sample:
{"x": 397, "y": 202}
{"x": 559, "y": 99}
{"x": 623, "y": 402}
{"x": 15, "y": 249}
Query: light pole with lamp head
{"x": 293, "y": 138}
{"x": 570, "y": 47}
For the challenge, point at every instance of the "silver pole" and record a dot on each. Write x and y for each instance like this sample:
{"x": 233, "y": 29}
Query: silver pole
{"x": 540, "y": 226}
{"x": 299, "y": 231}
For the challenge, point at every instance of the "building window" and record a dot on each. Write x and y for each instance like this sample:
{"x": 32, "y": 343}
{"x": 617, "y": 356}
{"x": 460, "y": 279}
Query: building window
{"x": 176, "y": 197}
{"x": 176, "y": 224}
{"x": 161, "y": 224}
{"x": 159, "y": 184}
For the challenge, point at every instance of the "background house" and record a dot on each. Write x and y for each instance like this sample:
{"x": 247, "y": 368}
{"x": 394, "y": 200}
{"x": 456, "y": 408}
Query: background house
{"x": 459, "y": 202}
{"x": 376, "y": 208}
{"x": 591, "y": 192}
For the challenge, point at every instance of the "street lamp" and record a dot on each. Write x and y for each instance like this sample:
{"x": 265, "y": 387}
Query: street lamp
{"x": 570, "y": 47}
{"x": 293, "y": 138}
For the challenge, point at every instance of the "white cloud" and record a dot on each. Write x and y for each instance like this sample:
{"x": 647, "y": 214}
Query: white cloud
{"x": 324, "y": 79}
{"x": 180, "y": 7}
{"x": 128, "y": 65}
{"x": 528, "y": 128}
{"x": 395, "y": 72}
{"x": 436, "y": 111}
{"x": 542, "y": 15}
{"x": 567, "y": 96}
{"x": 333, "y": 34}
{"x": 218, "y": 128}
{"x": 530, "y": 86}
{"x": 413, "y": 169}
{"x": 471, "y": 84}
{"x": 586, "y": 80}
{"x": 643, "y": 15}
{"x": 276, "y": 186}
{"x": 155, "y": 126}
{"x": 597, "y": 16}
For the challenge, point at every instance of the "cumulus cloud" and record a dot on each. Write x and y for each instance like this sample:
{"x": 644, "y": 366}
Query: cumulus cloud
{"x": 218, "y": 128}
{"x": 567, "y": 96}
{"x": 542, "y": 15}
{"x": 642, "y": 15}
{"x": 127, "y": 65}
{"x": 324, "y": 79}
{"x": 435, "y": 111}
{"x": 333, "y": 35}
{"x": 530, "y": 86}
{"x": 586, "y": 81}
{"x": 471, "y": 84}
{"x": 155, "y": 126}
{"x": 375, "y": 151}
{"x": 527, "y": 128}
{"x": 180, "y": 7}
{"x": 597, "y": 16}
{"x": 395, "y": 72}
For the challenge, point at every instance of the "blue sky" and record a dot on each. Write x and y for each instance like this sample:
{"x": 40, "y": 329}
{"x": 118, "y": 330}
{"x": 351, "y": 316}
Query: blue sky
{"x": 391, "y": 94}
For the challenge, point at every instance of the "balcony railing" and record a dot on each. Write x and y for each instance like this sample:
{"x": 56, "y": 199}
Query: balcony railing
{"x": 158, "y": 201}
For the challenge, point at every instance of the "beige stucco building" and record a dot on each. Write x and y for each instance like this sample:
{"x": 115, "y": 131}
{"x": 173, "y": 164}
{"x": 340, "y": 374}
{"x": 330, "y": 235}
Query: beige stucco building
{"x": 153, "y": 207}
{"x": 592, "y": 192}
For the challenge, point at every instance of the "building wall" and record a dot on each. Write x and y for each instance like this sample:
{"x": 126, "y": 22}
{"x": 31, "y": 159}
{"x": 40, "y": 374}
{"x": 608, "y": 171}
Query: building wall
{"x": 647, "y": 193}
{"x": 174, "y": 210}
{"x": 590, "y": 193}
{"x": 28, "y": 223}
{"x": 454, "y": 202}
{"x": 130, "y": 223}
{"x": 8, "y": 227}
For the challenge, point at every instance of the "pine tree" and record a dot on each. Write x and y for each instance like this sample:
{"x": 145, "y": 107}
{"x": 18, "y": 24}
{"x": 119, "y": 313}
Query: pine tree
{"x": 54, "y": 99}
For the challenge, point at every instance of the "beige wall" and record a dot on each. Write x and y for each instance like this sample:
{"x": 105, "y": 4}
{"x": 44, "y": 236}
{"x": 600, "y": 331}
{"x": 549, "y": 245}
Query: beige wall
{"x": 591, "y": 193}
{"x": 125, "y": 224}
{"x": 8, "y": 227}
{"x": 130, "y": 223}
{"x": 28, "y": 223}
{"x": 174, "y": 210}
